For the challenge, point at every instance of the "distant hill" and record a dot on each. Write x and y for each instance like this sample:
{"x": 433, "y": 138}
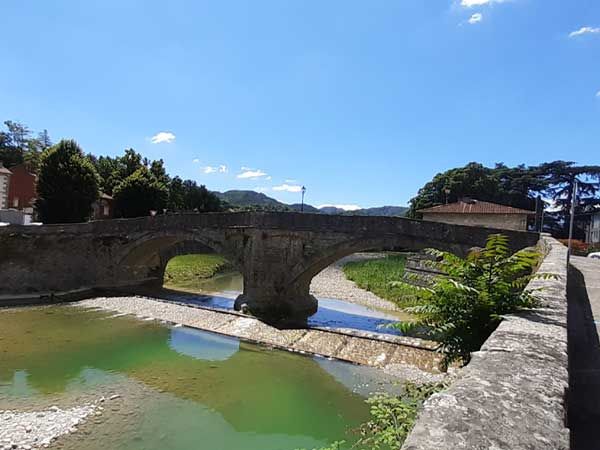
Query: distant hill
{"x": 248, "y": 199}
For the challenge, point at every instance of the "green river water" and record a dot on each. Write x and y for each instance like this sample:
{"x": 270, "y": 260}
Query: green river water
{"x": 179, "y": 388}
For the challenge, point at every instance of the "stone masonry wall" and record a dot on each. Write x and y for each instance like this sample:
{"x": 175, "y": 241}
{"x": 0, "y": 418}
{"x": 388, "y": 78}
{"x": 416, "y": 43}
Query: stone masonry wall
{"x": 512, "y": 393}
{"x": 504, "y": 221}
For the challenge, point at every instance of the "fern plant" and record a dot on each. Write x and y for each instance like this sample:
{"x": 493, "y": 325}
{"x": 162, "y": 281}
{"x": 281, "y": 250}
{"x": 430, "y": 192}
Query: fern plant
{"x": 460, "y": 310}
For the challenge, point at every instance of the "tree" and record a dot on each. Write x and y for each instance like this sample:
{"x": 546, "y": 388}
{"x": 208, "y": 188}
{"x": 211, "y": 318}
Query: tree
{"x": 67, "y": 184}
{"x": 501, "y": 184}
{"x": 198, "y": 198}
{"x": 13, "y": 143}
{"x": 463, "y": 307}
{"x": 140, "y": 193}
{"x": 176, "y": 195}
{"x": 560, "y": 176}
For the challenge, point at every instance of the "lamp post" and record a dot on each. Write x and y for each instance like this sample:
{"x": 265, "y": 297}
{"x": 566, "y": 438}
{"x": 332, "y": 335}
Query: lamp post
{"x": 302, "y": 204}
{"x": 573, "y": 201}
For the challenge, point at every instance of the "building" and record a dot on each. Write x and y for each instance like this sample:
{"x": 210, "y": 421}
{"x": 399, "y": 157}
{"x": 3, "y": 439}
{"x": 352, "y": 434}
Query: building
{"x": 22, "y": 189}
{"x": 5, "y": 175}
{"x": 592, "y": 232}
{"x": 103, "y": 208}
{"x": 478, "y": 213}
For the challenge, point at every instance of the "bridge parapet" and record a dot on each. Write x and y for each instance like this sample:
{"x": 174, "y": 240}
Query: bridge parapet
{"x": 512, "y": 393}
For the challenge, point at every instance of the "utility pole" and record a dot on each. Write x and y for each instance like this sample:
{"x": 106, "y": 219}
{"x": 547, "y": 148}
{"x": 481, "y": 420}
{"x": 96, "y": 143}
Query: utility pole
{"x": 572, "y": 218}
{"x": 302, "y": 204}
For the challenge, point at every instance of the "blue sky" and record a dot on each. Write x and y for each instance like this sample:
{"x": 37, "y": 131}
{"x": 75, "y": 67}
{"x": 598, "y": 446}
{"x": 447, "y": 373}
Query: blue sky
{"x": 362, "y": 102}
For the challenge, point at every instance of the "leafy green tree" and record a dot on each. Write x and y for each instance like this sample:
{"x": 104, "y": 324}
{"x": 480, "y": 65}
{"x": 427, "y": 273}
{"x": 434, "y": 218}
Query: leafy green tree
{"x": 140, "y": 193}
{"x": 501, "y": 184}
{"x": 67, "y": 184}
{"x": 198, "y": 198}
{"x": 560, "y": 176}
{"x": 13, "y": 143}
{"x": 176, "y": 195}
{"x": 462, "y": 309}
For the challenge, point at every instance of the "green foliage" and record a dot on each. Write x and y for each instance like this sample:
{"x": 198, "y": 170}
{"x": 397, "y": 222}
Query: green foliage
{"x": 67, "y": 184}
{"x": 377, "y": 275}
{"x": 500, "y": 184}
{"x": 17, "y": 146}
{"x": 181, "y": 269}
{"x": 518, "y": 187}
{"x": 392, "y": 418}
{"x": 140, "y": 193}
{"x": 461, "y": 309}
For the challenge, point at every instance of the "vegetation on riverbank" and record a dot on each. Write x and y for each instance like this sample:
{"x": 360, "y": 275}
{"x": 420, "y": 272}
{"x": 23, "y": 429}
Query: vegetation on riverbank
{"x": 461, "y": 310}
{"x": 185, "y": 269}
{"x": 392, "y": 418}
{"x": 378, "y": 275}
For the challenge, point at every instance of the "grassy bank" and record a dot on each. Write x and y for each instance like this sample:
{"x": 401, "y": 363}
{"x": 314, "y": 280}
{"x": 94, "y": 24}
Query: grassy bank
{"x": 184, "y": 269}
{"x": 375, "y": 275}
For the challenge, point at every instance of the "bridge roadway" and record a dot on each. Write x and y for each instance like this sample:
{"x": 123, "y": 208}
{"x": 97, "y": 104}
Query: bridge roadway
{"x": 277, "y": 253}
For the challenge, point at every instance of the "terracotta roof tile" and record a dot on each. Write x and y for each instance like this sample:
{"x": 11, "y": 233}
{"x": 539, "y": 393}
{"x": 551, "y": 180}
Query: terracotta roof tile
{"x": 474, "y": 207}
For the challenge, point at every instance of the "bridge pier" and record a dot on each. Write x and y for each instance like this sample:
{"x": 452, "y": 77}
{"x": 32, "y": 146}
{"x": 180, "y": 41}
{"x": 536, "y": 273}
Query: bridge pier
{"x": 290, "y": 309}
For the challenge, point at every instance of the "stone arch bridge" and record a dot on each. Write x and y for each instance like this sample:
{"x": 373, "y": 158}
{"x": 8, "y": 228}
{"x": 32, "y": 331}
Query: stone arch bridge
{"x": 277, "y": 253}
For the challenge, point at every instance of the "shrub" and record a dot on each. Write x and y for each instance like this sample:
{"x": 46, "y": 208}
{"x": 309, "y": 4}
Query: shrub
{"x": 67, "y": 184}
{"x": 392, "y": 418}
{"x": 462, "y": 309}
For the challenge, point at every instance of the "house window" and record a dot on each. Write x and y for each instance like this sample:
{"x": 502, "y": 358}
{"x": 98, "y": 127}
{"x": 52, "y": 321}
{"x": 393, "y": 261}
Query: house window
{"x": 16, "y": 202}
{"x": 106, "y": 210}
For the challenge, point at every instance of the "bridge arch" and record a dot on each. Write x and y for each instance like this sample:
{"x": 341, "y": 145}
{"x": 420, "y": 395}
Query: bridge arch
{"x": 148, "y": 256}
{"x": 305, "y": 270}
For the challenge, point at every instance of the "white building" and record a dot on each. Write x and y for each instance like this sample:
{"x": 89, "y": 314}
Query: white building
{"x": 592, "y": 233}
{"x": 4, "y": 180}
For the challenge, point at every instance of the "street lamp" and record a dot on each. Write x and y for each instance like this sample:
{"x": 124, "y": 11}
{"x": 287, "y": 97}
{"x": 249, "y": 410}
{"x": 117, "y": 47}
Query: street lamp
{"x": 302, "y": 204}
{"x": 572, "y": 218}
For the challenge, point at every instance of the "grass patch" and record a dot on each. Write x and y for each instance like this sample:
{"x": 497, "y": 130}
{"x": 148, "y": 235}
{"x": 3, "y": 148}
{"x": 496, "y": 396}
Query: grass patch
{"x": 375, "y": 275}
{"x": 185, "y": 268}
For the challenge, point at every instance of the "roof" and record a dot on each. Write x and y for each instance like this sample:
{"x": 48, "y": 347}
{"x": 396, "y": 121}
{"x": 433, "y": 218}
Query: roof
{"x": 475, "y": 207}
{"x": 105, "y": 196}
{"x": 4, "y": 170}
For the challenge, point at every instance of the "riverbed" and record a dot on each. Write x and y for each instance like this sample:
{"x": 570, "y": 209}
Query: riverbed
{"x": 149, "y": 385}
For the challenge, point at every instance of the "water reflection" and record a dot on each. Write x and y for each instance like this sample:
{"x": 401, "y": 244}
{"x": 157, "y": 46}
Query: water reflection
{"x": 260, "y": 398}
{"x": 332, "y": 313}
{"x": 202, "y": 345}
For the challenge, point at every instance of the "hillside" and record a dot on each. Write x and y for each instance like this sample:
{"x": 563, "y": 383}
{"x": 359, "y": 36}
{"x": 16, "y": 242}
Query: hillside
{"x": 246, "y": 199}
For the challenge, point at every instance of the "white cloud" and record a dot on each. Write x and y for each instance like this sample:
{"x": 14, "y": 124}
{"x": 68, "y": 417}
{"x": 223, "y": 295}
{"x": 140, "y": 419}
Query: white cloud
{"x": 344, "y": 207}
{"x": 251, "y": 173}
{"x": 584, "y": 30}
{"x": 475, "y": 18}
{"x": 598, "y": 94}
{"x": 291, "y": 181}
{"x": 195, "y": 160}
{"x": 261, "y": 189}
{"x": 164, "y": 136}
{"x": 471, "y": 3}
{"x": 288, "y": 188}
{"x": 213, "y": 169}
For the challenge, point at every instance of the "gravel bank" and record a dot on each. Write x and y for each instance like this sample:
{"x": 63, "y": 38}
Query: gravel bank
{"x": 38, "y": 429}
{"x": 332, "y": 283}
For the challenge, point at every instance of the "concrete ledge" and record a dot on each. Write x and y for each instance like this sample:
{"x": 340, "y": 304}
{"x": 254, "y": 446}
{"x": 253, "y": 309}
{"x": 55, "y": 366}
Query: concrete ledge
{"x": 512, "y": 393}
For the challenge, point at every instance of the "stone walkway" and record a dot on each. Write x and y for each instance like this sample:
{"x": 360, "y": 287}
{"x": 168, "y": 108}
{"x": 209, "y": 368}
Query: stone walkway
{"x": 584, "y": 350}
